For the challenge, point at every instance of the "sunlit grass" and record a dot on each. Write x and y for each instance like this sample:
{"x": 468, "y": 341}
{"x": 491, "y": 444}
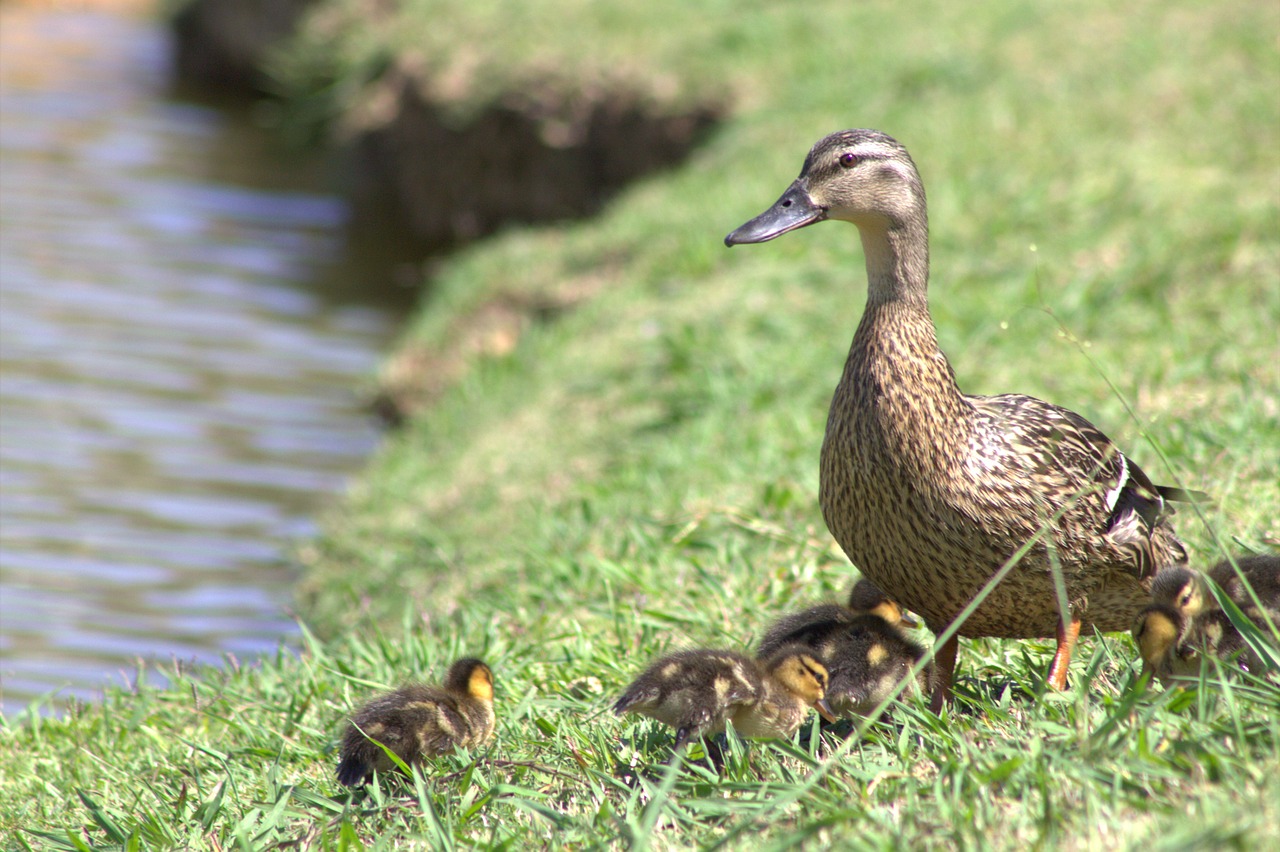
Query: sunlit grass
{"x": 640, "y": 474}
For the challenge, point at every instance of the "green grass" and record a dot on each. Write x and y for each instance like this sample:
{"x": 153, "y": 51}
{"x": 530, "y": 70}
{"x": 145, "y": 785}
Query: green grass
{"x": 640, "y": 474}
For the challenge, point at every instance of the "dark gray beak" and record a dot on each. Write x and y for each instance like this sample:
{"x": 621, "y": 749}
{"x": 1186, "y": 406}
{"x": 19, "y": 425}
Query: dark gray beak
{"x": 794, "y": 209}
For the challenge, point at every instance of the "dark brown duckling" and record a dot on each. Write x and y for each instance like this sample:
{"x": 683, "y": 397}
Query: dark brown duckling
{"x": 419, "y": 721}
{"x": 698, "y": 692}
{"x": 867, "y": 661}
{"x": 862, "y": 646}
{"x": 812, "y": 625}
{"x": 1182, "y": 589}
{"x": 1262, "y": 571}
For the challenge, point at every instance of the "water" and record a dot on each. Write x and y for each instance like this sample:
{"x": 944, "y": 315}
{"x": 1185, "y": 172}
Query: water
{"x": 184, "y": 333}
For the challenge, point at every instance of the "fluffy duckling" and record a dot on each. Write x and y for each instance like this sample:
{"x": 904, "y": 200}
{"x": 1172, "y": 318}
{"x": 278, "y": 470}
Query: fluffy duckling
{"x": 418, "y": 721}
{"x": 812, "y": 625}
{"x": 1262, "y": 571}
{"x": 867, "y": 661}
{"x": 1186, "y": 590}
{"x": 698, "y": 692}
{"x": 862, "y": 647}
{"x": 1160, "y": 633}
{"x": 1171, "y": 643}
{"x": 1182, "y": 589}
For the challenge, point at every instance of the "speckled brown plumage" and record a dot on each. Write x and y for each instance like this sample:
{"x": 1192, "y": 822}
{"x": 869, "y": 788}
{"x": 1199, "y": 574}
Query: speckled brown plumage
{"x": 698, "y": 692}
{"x": 930, "y": 491}
{"x": 419, "y": 721}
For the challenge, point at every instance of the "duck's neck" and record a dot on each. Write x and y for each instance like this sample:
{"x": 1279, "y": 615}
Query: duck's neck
{"x": 895, "y": 350}
{"x": 897, "y": 263}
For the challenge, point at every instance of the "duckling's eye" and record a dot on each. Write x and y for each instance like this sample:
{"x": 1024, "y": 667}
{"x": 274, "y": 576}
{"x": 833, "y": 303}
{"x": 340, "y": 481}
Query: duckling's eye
{"x": 848, "y": 160}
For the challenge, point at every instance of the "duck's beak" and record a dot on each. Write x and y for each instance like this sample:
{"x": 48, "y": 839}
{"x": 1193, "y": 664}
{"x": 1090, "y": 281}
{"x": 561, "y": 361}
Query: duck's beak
{"x": 824, "y": 710}
{"x": 794, "y": 209}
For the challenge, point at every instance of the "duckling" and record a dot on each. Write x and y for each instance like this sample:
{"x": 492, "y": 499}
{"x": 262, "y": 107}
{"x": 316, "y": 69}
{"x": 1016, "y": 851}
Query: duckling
{"x": 1182, "y": 589}
{"x": 810, "y": 626}
{"x": 418, "y": 721}
{"x": 1171, "y": 643}
{"x": 1160, "y": 632}
{"x": 865, "y": 652}
{"x": 1186, "y": 590}
{"x": 1262, "y": 572}
{"x": 867, "y": 661}
{"x": 866, "y": 598}
{"x": 698, "y": 692}
{"x": 931, "y": 491}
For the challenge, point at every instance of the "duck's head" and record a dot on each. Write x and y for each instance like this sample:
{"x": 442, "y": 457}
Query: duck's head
{"x": 861, "y": 176}
{"x": 470, "y": 677}
{"x": 1157, "y": 631}
{"x": 1182, "y": 589}
{"x": 867, "y": 599}
{"x": 801, "y": 674}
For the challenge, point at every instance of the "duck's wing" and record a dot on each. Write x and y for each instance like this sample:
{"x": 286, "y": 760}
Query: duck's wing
{"x": 1067, "y": 458}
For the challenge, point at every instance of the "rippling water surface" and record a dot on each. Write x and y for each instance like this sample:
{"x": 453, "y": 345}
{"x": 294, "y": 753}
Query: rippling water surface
{"x": 180, "y": 358}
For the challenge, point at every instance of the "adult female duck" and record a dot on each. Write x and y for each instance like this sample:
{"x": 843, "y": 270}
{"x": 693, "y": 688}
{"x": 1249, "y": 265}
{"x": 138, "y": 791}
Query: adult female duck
{"x": 931, "y": 491}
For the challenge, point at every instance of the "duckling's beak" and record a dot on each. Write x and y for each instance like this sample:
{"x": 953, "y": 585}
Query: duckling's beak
{"x": 909, "y": 621}
{"x": 794, "y": 209}
{"x": 824, "y": 710}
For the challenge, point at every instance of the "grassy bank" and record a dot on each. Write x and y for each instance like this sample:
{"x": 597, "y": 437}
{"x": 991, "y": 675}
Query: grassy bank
{"x": 636, "y": 470}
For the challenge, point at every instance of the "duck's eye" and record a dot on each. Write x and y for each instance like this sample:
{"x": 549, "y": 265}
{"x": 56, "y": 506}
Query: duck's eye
{"x": 848, "y": 160}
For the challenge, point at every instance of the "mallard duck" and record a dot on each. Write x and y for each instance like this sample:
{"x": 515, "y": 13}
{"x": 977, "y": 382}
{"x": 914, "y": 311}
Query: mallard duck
{"x": 861, "y": 645}
{"x": 931, "y": 491}
{"x": 698, "y": 692}
{"x": 418, "y": 721}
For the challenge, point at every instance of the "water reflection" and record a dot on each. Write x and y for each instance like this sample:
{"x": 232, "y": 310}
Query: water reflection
{"x": 178, "y": 381}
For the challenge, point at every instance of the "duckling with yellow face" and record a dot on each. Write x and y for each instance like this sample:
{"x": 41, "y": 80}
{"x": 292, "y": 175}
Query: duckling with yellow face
{"x": 700, "y": 692}
{"x": 1162, "y": 636}
{"x": 862, "y": 646}
{"x": 1185, "y": 620}
{"x": 419, "y": 721}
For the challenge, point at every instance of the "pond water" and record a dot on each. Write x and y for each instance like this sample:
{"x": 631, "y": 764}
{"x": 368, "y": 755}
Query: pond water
{"x": 186, "y": 329}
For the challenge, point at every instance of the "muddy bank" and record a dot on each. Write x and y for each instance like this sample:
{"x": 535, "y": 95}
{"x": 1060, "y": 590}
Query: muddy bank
{"x": 422, "y": 152}
{"x": 549, "y": 148}
{"x": 227, "y": 42}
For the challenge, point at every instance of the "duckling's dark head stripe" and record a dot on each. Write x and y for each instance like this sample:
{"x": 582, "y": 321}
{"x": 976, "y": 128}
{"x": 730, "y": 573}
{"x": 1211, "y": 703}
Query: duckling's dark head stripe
{"x": 815, "y": 671}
